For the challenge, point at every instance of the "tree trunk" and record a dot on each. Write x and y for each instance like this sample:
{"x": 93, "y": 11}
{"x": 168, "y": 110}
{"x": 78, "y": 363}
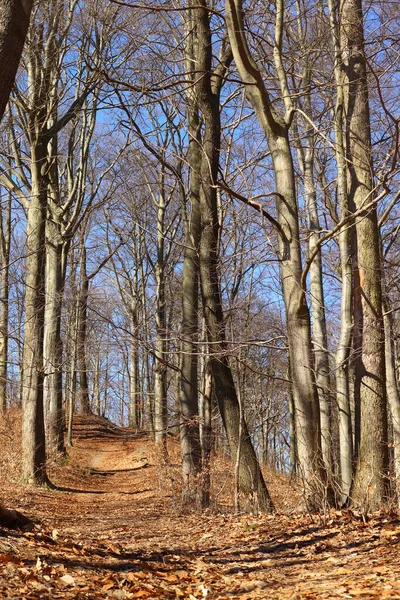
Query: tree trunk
{"x": 307, "y": 417}
{"x": 33, "y": 434}
{"x": 344, "y": 240}
{"x": 53, "y": 350}
{"x": 370, "y": 483}
{"x": 160, "y": 359}
{"x": 254, "y": 493}
{"x": 134, "y": 378}
{"x": 192, "y": 492}
{"x": 83, "y": 296}
{"x": 14, "y": 23}
{"x": 5, "y": 226}
{"x": 392, "y": 390}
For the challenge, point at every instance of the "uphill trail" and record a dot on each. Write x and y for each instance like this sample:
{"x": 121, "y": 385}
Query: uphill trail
{"x": 113, "y": 528}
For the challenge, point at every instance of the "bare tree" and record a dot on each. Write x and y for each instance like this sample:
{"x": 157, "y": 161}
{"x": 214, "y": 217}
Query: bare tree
{"x": 276, "y": 130}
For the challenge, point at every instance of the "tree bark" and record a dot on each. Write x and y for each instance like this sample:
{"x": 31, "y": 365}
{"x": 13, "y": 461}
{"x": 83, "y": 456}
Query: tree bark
{"x": 33, "y": 434}
{"x": 346, "y": 301}
{"x": 192, "y": 492}
{"x": 5, "y": 227}
{"x": 276, "y": 130}
{"x": 254, "y": 493}
{"x": 83, "y": 296}
{"x": 14, "y": 23}
{"x": 370, "y": 482}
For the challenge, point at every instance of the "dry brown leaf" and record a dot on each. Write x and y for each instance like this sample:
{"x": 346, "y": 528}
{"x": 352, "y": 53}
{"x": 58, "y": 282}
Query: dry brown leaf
{"x": 8, "y": 558}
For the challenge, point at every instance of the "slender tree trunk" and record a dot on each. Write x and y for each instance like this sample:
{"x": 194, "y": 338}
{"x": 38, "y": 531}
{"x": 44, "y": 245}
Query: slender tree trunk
{"x": 344, "y": 239}
{"x": 83, "y": 297}
{"x": 134, "y": 377}
{"x": 160, "y": 365}
{"x": 370, "y": 483}
{"x": 33, "y": 434}
{"x": 53, "y": 350}
{"x": 392, "y": 390}
{"x": 306, "y": 152}
{"x": 4, "y": 299}
{"x": 307, "y": 416}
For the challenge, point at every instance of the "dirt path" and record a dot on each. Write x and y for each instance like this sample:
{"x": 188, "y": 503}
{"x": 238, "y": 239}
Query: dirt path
{"x": 114, "y": 530}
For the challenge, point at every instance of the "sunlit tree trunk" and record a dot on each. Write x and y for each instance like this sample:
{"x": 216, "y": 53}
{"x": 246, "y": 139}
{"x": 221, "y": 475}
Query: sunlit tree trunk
{"x": 370, "y": 483}
{"x": 33, "y": 434}
{"x": 250, "y": 480}
{"x": 160, "y": 359}
{"x": 192, "y": 492}
{"x": 5, "y": 239}
{"x": 344, "y": 239}
{"x": 82, "y": 365}
{"x": 276, "y": 129}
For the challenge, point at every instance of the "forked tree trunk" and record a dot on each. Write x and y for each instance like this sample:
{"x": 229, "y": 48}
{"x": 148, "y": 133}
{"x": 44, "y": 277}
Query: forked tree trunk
{"x": 370, "y": 483}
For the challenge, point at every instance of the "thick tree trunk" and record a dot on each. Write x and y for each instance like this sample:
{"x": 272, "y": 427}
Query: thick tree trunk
{"x": 370, "y": 483}
{"x": 192, "y": 492}
{"x": 14, "y": 23}
{"x": 307, "y": 418}
{"x": 254, "y": 493}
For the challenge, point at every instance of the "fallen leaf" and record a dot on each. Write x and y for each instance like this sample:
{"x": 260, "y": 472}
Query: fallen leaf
{"x": 67, "y": 579}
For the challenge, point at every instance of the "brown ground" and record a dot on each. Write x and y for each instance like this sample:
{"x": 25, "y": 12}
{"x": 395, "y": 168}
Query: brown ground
{"x": 114, "y": 529}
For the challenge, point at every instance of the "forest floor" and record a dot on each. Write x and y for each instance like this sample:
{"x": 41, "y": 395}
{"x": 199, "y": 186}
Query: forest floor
{"x": 113, "y": 528}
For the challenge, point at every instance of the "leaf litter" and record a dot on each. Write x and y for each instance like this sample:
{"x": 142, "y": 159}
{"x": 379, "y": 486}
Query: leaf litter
{"x": 121, "y": 535}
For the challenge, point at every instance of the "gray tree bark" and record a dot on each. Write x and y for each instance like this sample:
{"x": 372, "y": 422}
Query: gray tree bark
{"x": 307, "y": 417}
{"x": 254, "y": 493}
{"x": 193, "y": 493}
{"x": 344, "y": 239}
{"x": 370, "y": 483}
{"x": 5, "y": 239}
{"x": 33, "y": 434}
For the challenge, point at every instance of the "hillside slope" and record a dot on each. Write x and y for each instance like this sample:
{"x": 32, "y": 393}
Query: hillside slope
{"x": 113, "y": 529}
